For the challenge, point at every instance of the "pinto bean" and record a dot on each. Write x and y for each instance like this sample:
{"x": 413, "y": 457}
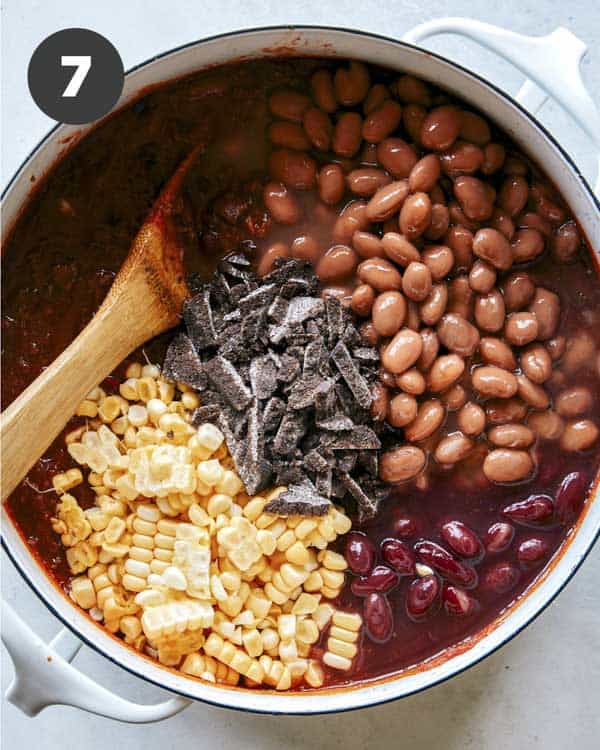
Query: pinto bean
{"x": 513, "y": 194}
{"x": 294, "y": 168}
{"x": 531, "y": 393}
{"x": 271, "y": 254}
{"x": 415, "y": 215}
{"x": 430, "y": 349}
{"x": 501, "y": 221}
{"x": 441, "y": 128}
{"x": 455, "y": 397}
{"x": 402, "y": 352}
{"x": 476, "y": 198}
{"x": 546, "y": 203}
{"x": 556, "y": 347}
{"x": 501, "y": 411}
{"x": 337, "y": 263}
{"x": 518, "y": 290}
{"x": 401, "y": 464}
{"x": 579, "y": 353}
{"x": 389, "y": 313}
{"x": 288, "y": 135}
{"x": 368, "y": 333}
{"x": 458, "y": 335}
{"x": 531, "y": 220}
{"x": 573, "y": 402}
{"x": 579, "y": 435}
{"x": 424, "y": 174}
{"x": 434, "y": 306}
{"x": 536, "y": 363}
{"x": 490, "y": 311}
{"x": 453, "y": 448}
{"x": 526, "y": 245}
{"x": 413, "y": 319}
{"x": 439, "y": 260}
{"x": 351, "y": 84}
{"x": 323, "y": 92}
{"x": 306, "y": 247}
{"x": 482, "y": 277}
{"x": 471, "y": 419}
{"x": 362, "y": 300}
{"x": 382, "y": 121}
{"x": 438, "y": 223}
{"x": 387, "y": 200}
{"x": 387, "y": 378}
{"x": 521, "y": 328}
{"x": 281, "y": 203}
{"x": 412, "y": 120}
{"x": 430, "y": 416}
{"x": 378, "y": 94}
{"x": 511, "y": 436}
{"x": 416, "y": 282}
{"x": 460, "y": 297}
{"x": 461, "y": 158}
{"x": 546, "y": 424}
{"x": 288, "y": 105}
{"x": 367, "y": 245}
{"x": 505, "y": 465}
{"x": 380, "y": 274}
{"x": 380, "y": 402}
{"x": 413, "y": 90}
{"x": 412, "y": 382}
{"x": 475, "y": 129}
{"x": 397, "y": 156}
{"x": 545, "y": 305}
{"x": 566, "y": 243}
{"x": 460, "y": 240}
{"x": 459, "y": 217}
{"x": 366, "y": 181}
{"x": 402, "y": 410}
{"x": 492, "y": 246}
{"x": 347, "y": 134}
{"x": 331, "y": 184}
{"x": 352, "y": 218}
{"x": 493, "y": 158}
{"x": 318, "y": 128}
{"x": 496, "y": 352}
{"x": 444, "y": 372}
{"x": 399, "y": 249}
{"x": 494, "y": 382}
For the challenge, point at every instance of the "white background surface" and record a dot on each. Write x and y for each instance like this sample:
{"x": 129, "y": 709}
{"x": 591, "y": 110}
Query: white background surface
{"x": 541, "y": 690}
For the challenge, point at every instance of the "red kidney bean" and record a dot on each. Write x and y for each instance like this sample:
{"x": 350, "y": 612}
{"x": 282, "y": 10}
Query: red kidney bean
{"x": 457, "y": 601}
{"x": 492, "y": 246}
{"x": 399, "y": 249}
{"x": 337, "y": 263}
{"x": 425, "y": 173}
{"x": 531, "y": 511}
{"x": 397, "y": 156}
{"x": 411, "y": 382}
{"x": 461, "y": 539}
{"x": 460, "y": 240}
{"x": 490, "y": 311}
{"x": 381, "y": 579}
{"x": 378, "y": 94}
{"x": 332, "y": 184}
{"x": 288, "y": 104}
{"x": 281, "y": 204}
{"x": 461, "y": 158}
{"x": 532, "y": 551}
{"x": 305, "y": 247}
{"x": 401, "y": 464}
{"x": 556, "y": 347}
{"x": 566, "y": 243}
{"x": 347, "y": 134}
{"x": 422, "y": 598}
{"x": 387, "y": 201}
{"x": 448, "y": 567}
{"x": 366, "y": 181}
{"x": 382, "y": 121}
{"x": 546, "y": 307}
{"x": 518, "y": 290}
{"x": 294, "y": 168}
{"x": 499, "y": 537}
{"x": 500, "y": 577}
{"x": 526, "y": 245}
{"x": 503, "y": 223}
{"x": 351, "y": 84}
{"x": 399, "y": 555}
{"x": 482, "y": 277}
{"x": 413, "y": 90}
{"x": 441, "y": 128}
{"x": 415, "y": 215}
{"x": 570, "y": 497}
{"x": 380, "y": 274}
{"x": 288, "y": 135}
{"x": 405, "y": 526}
{"x": 493, "y": 158}
{"x": 318, "y": 128}
{"x": 359, "y": 553}
{"x": 379, "y": 620}
{"x": 458, "y": 335}
{"x": 323, "y": 92}
{"x": 513, "y": 194}
{"x": 476, "y": 198}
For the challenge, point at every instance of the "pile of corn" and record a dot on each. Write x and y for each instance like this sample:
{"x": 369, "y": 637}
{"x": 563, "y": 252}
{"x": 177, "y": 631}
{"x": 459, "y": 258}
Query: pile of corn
{"x": 180, "y": 561}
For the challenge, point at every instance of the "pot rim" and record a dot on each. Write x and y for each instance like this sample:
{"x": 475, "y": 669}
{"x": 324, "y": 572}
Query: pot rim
{"x": 353, "y": 688}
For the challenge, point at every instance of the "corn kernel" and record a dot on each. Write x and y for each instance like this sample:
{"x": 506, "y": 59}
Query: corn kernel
{"x": 109, "y": 409}
{"x": 342, "y": 634}
{"x": 341, "y": 648}
{"x": 314, "y": 674}
{"x": 304, "y": 528}
{"x": 150, "y": 371}
{"x": 219, "y": 504}
{"x": 337, "y": 662}
{"x": 87, "y": 408}
{"x": 147, "y": 389}
{"x": 190, "y": 401}
{"x": 130, "y": 626}
{"x": 82, "y": 590}
{"x": 128, "y": 389}
{"x": 134, "y": 370}
{"x": 307, "y": 631}
{"x": 254, "y": 508}
{"x": 332, "y": 560}
{"x": 210, "y": 472}
{"x": 334, "y": 579}
{"x": 115, "y": 530}
{"x": 323, "y": 614}
{"x": 347, "y": 620}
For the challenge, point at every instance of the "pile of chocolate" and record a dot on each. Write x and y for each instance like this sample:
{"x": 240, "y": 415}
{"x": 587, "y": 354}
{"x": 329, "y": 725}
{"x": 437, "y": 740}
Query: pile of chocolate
{"x": 287, "y": 378}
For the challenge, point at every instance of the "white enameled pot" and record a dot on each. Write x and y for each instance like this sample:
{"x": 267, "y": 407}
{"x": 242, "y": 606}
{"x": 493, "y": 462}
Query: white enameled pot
{"x": 551, "y": 66}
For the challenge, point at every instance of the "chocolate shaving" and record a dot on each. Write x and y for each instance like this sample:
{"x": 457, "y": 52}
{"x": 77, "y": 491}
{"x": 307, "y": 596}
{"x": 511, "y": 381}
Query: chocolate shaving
{"x": 182, "y": 363}
{"x": 299, "y": 500}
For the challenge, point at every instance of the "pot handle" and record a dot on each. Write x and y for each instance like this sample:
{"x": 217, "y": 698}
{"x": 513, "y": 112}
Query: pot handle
{"x": 43, "y": 677}
{"x": 551, "y": 64}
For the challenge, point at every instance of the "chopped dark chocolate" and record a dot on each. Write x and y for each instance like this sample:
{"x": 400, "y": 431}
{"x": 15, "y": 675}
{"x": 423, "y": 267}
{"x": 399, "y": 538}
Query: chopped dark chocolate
{"x": 304, "y": 392}
{"x": 336, "y": 423}
{"x": 197, "y": 314}
{"x": 226, "y": 379}
{"x": 208, "y": 413}
{"x": 299, "y": 500}
{"x": 263, "y": 376}
{"x": 183, "y": 364}
{"x": 360, "y": 438}
{"x": 273, "y": 414}
{"x": 292, "y": 429}
{"x": 351, "y": 374}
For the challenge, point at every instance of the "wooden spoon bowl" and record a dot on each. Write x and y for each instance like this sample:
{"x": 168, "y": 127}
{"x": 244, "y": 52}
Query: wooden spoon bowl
{"x": 144, "y": 300}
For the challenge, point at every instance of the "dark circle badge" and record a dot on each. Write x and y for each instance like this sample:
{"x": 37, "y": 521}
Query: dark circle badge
{"x": 75, "y": 76}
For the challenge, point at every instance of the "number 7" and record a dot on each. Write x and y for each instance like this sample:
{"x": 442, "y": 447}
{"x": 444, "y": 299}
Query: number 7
{"x": 83, "y": 63}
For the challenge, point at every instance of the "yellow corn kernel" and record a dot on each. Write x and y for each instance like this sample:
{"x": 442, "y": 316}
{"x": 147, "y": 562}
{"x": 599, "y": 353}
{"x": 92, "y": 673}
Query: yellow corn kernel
{"x": 134, "y": 370}
{"x": 218, "y": 504}
{"x": 128, "y": 389}
{"x": 229, "y": 484}
{"x": 266, "y": 541}
{"x": 274, "y": 594}
{"x": 314, "y": 582}
{"x": 82, "y": 590}
{"x": 329, "y": 593}
{"x": 293, "y": 575}
{"x": 337, "y": 662}
{"x": 323, "y": 614}
{"x": 253, "y": 643}
{"x": 286, "y": 627}
{"x": 297, "y": 553}
{"x": 342, "y": 648}
{"x": 258, "y": 603}
{"x": 347, "y": 620}
{"x": 190, "y": 400}
{"x": 131, "y": 627}
{"x": 288, "y": 650}
{"x": 115, "y": 530}
{"x": 314, "y": 675}
{"x": 109, "y": 409}
{"x": 133, "y": 583}
{"x": 307, "y": 631}
{"x": 254, "y": 508}
{"x": 286, "y": 540}
{"x": 231, "y": 580}
{"x": 334, "y": 579}
{"x": 147, "y": 389}
{"x": 115, "y": 550}
{"x": 87, "y": 408}
{"x": 306, "y": 604}
{"x": 342, "y": 634}
{"x": 305, "y": 527}
{"x": 332, "y": 560}
{"x": 326, "y": 530}
{"x": 341, "y": 523}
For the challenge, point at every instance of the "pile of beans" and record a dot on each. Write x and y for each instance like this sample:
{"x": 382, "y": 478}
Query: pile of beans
{"x": 431, "y": 230}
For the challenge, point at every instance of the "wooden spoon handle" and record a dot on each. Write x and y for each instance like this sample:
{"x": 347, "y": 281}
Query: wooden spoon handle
{"x": 32, "y": 422}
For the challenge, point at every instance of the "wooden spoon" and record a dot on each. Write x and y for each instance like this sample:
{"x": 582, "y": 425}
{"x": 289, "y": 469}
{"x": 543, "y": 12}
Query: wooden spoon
{"x": 144, "y": 300}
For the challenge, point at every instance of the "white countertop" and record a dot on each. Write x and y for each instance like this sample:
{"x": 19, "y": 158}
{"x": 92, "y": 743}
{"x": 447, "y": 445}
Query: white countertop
{"x": 542, "y": 689}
